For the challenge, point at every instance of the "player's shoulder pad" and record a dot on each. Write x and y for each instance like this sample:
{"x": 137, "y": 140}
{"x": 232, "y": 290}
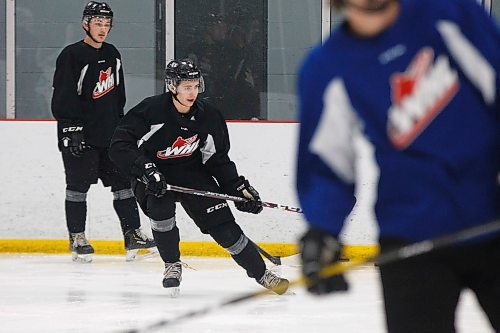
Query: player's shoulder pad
{"x": 74, "y": 48}
{"x": 149, "y": 103}
{"x": 207, "y": 107}
{"x": 112, "y": 48}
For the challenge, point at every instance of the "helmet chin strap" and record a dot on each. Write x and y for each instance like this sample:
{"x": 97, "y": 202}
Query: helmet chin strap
{"x": 174, "y": 95}
{"x": 87, "y": 31}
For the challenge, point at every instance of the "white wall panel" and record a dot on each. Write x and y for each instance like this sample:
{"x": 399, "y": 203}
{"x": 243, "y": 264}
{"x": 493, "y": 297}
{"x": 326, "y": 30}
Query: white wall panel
{"x": 33, "y": 189}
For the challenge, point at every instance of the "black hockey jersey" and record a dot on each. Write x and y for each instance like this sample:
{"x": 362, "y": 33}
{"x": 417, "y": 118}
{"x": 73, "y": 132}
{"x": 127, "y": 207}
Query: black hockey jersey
{"x": 89, "y": 90}
{"x": 185, "y": 149}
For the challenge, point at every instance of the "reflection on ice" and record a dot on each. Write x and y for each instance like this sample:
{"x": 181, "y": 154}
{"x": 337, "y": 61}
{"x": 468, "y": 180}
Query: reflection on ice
{"x": 53, "y": 294}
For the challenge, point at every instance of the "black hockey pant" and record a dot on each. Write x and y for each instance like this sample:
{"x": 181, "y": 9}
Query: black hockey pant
{"x": 212, "y": 216}
{"x": 421, "y": 294}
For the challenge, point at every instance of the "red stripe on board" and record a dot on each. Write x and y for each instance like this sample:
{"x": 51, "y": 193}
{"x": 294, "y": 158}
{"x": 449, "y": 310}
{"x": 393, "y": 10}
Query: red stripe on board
{"x": 228, "y": 121}
{"x": 27, "y": 119}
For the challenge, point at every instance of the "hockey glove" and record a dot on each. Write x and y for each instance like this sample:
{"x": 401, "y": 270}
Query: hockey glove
{"x": 151, "y": 176}
{"x": 319, "y": 249}
{"x": 72, "y": 139}
{"x": 242, "y": 188}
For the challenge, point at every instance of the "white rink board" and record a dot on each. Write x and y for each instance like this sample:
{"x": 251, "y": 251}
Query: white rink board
{"x": 33, "y": 189}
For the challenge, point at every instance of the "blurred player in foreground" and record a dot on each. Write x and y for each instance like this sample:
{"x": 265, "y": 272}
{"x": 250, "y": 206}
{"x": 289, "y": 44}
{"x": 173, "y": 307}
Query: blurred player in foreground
{"x": 418, "y": 79}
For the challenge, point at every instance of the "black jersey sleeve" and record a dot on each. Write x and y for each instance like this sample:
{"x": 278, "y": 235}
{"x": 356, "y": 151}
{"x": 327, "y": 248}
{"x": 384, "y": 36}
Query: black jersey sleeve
{"x": 124, "y": 148}
{"x": 66, "y": 105}
{"x": 216, "y": 150}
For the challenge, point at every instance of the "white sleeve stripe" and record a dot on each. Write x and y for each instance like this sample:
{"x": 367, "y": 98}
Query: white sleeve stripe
{"x": 208, "y": 149}
{"x": 334, "y": 137}
{"x": 153, "y": 130}
{"x": 118, "y": 67}
{"x": 472, "y": 62}
{"x": 80, "y": 80}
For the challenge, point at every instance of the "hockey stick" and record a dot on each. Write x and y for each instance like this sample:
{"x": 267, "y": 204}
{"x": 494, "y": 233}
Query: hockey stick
{"x": 223, "y": 196}
{"x": 401, "y": 253}
{"x": 271, "y": 258}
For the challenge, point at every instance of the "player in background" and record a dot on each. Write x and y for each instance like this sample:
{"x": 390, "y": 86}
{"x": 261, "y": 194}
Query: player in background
{"x": 419, "y": 80}
{"x": 176, "y": 138}
{"x": 88, "y": 101}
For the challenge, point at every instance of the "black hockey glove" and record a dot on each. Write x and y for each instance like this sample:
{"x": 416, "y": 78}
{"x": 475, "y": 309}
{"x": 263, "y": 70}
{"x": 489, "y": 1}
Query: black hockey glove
{"x": 242, "y": 188}
{"x": 150, "y": 175}
{"x": 319, "y": 249}
{"x": 72, "y": 139}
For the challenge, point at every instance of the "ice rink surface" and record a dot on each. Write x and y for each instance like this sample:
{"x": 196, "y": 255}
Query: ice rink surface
{"x": 52, "y": 294}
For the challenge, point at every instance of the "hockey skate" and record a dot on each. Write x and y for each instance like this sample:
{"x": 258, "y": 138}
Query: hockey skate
{"x": 81, "y": 250}
{"x": 273, "y": 282}
{"x": 136, "y": 240}
{"x": 172, "y": 278}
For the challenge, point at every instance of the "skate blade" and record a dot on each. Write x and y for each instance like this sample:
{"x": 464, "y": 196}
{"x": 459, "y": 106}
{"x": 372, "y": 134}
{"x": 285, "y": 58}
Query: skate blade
{"x": 173, "y": 292}
{"x": 81, "y": 258}
{"x": 141, "y": 254}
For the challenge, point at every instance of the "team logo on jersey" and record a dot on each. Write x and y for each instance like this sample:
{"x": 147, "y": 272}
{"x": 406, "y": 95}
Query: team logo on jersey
{"x": 419, "y": 95}
{"x": 106, "y": 83}
{"x": 180, "y": 148}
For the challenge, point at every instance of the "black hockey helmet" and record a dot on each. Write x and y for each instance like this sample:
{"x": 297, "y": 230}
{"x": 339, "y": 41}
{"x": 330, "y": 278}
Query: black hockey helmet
{"x": 97, "y": 9}
{"x": 182, "y": 70}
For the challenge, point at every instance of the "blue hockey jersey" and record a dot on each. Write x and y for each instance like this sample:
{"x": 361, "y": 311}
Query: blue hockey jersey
{"x": 425, "y": 94}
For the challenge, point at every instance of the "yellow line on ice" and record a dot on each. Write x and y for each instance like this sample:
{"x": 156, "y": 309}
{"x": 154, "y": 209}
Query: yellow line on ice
{"x": 202, "y": 249}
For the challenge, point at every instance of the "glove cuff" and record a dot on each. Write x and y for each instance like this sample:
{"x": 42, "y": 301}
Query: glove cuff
{"x": 70, "y": 123}
{"x": 138, "y": 168}
{"x": 232, "y": 186}
{"x": 70, "y": 131}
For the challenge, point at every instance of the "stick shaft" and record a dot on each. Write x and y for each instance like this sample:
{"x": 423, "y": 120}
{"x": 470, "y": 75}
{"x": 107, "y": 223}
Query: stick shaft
{"x": 270, "y": 257}
{"x": 223, "y": 196}
{"x": 418, "y": 248}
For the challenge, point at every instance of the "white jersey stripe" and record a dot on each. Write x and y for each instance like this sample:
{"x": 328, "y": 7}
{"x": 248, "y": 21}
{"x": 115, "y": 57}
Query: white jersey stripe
{"x": 118, "y": 66}
{"x": 153, "y": 130}
{"x": 80, "y": 80}
{"x": 472, "y": 62}
{"x": 333, "y": 140}
{"x": 208, "y": 149}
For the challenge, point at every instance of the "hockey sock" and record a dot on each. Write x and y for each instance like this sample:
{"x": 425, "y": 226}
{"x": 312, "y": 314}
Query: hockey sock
{"x": 230, "y": 236}
{"x": 76, "y": 213}
{"x": 251, "y": 261}
{"x": 127, "y": 211}
{"x": 168, "y": 244}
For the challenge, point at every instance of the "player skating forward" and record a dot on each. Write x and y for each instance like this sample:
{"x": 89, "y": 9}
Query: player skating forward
{"x": 175, "y": 138}
{"x": 88, "y": 101}
{"x": 419, "y": 79}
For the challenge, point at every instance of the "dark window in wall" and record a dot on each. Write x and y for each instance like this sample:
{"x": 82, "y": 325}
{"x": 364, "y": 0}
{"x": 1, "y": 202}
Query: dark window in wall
{"x": 227, "y": 39}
